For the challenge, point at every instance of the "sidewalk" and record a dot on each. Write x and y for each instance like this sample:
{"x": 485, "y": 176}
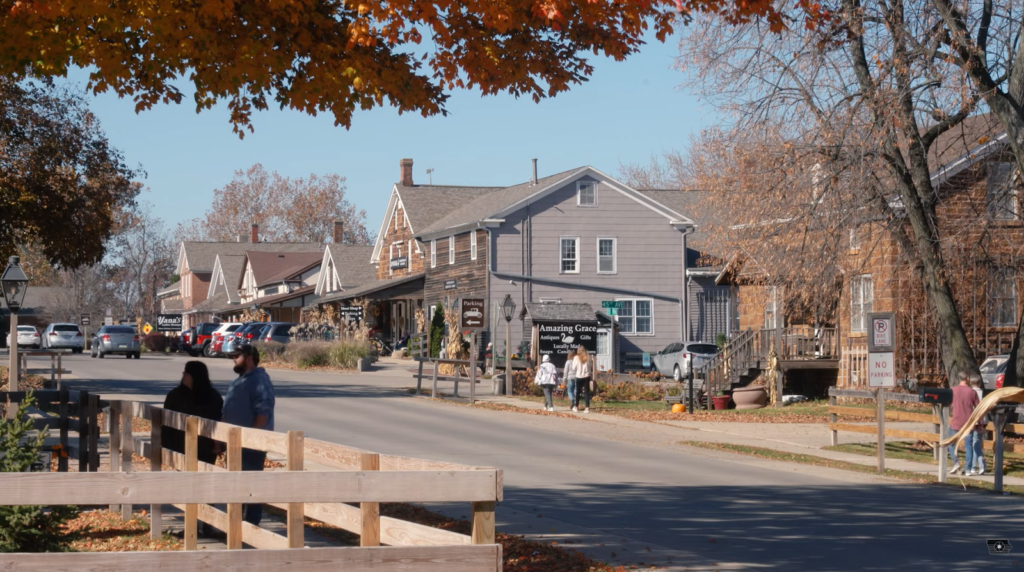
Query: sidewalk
{"x": 797, "y": 438}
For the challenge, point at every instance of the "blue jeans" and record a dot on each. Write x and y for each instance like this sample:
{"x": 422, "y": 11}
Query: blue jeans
{"x": 969, "y": 449}
{"x": 252, "y": 460}
{"x": 973, "y": 444}
{"x": 570, "y": 390}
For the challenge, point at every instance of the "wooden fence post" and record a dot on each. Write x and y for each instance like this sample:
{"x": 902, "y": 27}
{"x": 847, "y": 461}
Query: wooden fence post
{"x": 114, "y": 440}
{"x": 457, "y": 366}
{"x": 296, "y": 510}
{"x": 433, "y": 389}
{"x": 83, "y": 431}
{"x": 483, "y": 523}
{"x": 234, "y": 530}
{"x": 370, "y": 511}
{"x": 472, "y": 368}
{"x": 191, "y": 465}
{"x": 156, "y": 464}
{"x": 62, "y": 460}
{"x": 833, "y": 418}
{"x": 94, "y": 433}
{"x": 419, "y": 378}
{"x": 127, "y": 447}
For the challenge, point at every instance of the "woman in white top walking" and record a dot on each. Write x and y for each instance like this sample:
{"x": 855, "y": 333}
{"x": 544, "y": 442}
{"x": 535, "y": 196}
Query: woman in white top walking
{"x": 569, "y": 375}
{"x": 547, "y": 379}
{"x": 583, "y": 366}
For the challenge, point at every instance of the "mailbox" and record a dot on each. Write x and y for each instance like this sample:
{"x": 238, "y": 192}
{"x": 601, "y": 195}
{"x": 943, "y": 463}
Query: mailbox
{"x": 936, "y": 395}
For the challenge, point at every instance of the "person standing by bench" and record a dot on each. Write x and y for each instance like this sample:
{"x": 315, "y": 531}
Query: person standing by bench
{"x": 250, "y": 403}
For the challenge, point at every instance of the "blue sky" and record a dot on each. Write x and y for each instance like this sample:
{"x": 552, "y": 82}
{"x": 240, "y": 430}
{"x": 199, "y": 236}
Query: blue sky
{"x": 627, "y": 112}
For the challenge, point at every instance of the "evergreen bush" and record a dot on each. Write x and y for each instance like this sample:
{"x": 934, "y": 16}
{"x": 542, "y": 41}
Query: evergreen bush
{"x": 437, "y": 331}
{"x": 28, "y": 528}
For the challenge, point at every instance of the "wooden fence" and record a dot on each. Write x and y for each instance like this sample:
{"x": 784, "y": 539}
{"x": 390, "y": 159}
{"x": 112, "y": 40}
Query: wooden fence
{"x": 434, "y": 377}
{"x": 304, "y": 489}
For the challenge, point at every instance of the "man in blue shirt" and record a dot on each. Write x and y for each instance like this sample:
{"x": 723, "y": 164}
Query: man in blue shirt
{"x": 249, "y": 402}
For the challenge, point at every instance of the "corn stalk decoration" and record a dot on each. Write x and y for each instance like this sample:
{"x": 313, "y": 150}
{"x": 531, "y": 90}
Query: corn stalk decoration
{"x": 453, "y": 347}
{"x": 258, "y": 315}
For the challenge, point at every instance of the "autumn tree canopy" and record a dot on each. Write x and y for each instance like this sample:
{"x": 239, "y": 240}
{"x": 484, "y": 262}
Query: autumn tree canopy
{"x": 61, "y": 183}
{"x": 335, "y": 56}
{"x": 286, "y": 209}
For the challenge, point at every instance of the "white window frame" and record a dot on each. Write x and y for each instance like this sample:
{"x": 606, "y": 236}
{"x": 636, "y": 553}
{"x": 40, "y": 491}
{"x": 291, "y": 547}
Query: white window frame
{"x": 561, "y": 259}
{"x": 855, "y": 238}
{"x": 993, "y": 197}
{"x": 862, "y": 305}
{"x": 771, "y": 308}
{"x": 615, "y": 255}
{"x": 580, "y": 185}
{"x": 1006, "y": 273}
{"x": 451, "y": 250}
{"x": 472, "y": 245}
{"x": 433, "y": 253}
{"x": 633, "y": 316}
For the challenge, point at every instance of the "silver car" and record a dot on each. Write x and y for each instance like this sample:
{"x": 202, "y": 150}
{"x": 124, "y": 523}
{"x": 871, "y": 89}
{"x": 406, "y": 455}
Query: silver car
{"x": 116, "y": 340}
{"x": 677, "y": 359}
{"x": 992, "y": 371}
{"x": 63, "y": 336}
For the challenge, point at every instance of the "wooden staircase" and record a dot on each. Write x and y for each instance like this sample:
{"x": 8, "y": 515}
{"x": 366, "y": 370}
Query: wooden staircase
{"x": 745, "y": 357}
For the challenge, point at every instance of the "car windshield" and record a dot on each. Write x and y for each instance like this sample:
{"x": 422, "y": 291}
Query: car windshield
{"x": 232, "y": 328}
{"x": 26, "y": 329}
{"x": 119, "y": 330}
{"x": 65, "y": 328}
{"x": 993, "y": 365}
{"x": 711, "y": 349}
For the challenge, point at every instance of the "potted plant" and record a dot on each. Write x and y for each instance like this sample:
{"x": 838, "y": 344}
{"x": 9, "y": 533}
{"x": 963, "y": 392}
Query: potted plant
{"x": 721, "y": 400}
{"x": 752, "y": 397}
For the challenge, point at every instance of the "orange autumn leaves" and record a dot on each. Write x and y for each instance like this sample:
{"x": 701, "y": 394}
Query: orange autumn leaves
{"x": 334, "y": 56}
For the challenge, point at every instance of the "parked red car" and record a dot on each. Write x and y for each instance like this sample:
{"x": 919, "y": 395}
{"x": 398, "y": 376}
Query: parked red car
{"x": 203, "y": 335}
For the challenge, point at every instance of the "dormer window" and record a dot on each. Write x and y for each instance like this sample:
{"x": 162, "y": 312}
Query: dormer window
{"x": 586, "y": 194}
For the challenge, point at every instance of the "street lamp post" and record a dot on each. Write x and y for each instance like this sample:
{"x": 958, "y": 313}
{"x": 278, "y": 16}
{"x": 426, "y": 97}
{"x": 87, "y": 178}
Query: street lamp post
{"x": 14, "y": 283}
{"x": 508, "y": 307}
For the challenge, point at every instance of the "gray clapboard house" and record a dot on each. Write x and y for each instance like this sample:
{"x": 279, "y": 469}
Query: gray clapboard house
{"x": 581, "y": 237}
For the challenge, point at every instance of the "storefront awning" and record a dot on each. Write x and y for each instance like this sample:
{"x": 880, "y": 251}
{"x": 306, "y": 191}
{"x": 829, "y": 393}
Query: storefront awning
{"x": 404, "y": 288}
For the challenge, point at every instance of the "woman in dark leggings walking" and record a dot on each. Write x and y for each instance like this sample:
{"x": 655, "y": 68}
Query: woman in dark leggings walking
{"x": 584, "y": 372}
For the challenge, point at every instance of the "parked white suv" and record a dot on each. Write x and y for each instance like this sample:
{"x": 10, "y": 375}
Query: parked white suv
{"x": 27, "y": 336}
{"x": 63, "y": 336}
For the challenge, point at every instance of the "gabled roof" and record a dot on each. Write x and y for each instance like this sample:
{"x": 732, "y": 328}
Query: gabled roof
{"x": 275, "y": 298}
{"x": 496, "y": 205}
{"x": 423, "y": 205}
{"x": 268, "y": 266}
{"x": 350, "y": 264}
{"x": 372, "y": 287}
{"x": 216, "y": 304}
{"x": 200, "y": 256}
{"x": 227, "y": 272}
{"x": 169, "y": 290}
{"x": 298, "y": 263}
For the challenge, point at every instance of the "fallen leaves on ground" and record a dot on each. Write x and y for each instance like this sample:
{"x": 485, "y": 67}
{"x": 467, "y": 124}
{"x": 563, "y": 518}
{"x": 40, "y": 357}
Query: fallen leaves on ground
{"x": 730, "y": 416}
{"x": 104, "y": 531}
{"x": 520, "y": 554}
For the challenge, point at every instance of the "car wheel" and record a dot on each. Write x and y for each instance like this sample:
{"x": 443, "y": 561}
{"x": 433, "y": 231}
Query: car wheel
{"x": 138, "y": 355}
{"x": 207, "y": 351}
{"x": 128, "y": 356}
{"x": 92, "y": 354}
{"x": 99, "y": 354}
{"x": 676, "y": 374}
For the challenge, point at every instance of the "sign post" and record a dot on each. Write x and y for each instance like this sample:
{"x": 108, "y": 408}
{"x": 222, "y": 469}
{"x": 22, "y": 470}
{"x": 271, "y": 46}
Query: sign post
{"x": 881, "y": 368}
{"x": 471, "y": 317}
{"x": 84, "y": 322}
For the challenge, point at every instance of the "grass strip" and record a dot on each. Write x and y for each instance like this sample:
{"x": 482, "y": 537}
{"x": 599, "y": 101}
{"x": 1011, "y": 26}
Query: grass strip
{"x": 1013, "y": 463}
{"x": 773, "y": 455}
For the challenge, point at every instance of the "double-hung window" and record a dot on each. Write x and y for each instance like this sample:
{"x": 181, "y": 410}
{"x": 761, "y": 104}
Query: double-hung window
{"x": 1002, "y": 191}
{"x": 862, "y": 299}
{"x": 636, "y": 316}
{"x": 569, "y": 250}
{"x": 472, "y": 245}
{"x": 433, "y": 253}
{"x": 606, "y": 253}
{"x": 586, "y": 194}
{"x": 771, "y": 308}
{"x": 451, "y": 249}
{"x": 1002, "y": 297}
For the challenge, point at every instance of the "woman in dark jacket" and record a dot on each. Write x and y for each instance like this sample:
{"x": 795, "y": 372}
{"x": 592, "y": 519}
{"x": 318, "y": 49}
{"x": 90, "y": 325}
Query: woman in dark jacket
{"x": 194, "y": 396}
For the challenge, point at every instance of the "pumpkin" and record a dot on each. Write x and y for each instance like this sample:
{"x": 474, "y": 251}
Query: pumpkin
{"x": 678, "y": 408}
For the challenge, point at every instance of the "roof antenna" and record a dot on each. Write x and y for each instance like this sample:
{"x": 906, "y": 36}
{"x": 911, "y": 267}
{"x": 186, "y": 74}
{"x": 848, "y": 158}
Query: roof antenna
{"x": 430, "y": 175}
{"x": 534, "y": 179}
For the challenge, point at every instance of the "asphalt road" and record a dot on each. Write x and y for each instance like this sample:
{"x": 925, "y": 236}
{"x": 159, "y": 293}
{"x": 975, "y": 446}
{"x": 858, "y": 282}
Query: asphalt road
{"x": 633, "y": 484}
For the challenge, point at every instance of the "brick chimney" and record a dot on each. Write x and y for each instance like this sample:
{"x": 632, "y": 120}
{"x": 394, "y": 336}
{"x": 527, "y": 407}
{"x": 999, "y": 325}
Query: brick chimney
{"x": 406, "y": 165}
{"x": 339, "y": 231}
{"x": 254, "y": 233}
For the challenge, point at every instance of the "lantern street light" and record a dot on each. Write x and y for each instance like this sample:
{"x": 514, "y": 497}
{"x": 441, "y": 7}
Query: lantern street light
{"x": 508, "y": 306}
{"x": 14, "y": 283}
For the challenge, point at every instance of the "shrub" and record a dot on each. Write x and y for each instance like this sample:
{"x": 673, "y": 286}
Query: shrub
{"x": 28, "y": 528}
{"x": 269, "y": 351}
{"x": 156, "y": 342}
{"x": 340, "y": 353}
{"x": 629, "y": 391}
{"x": 346, "y": 353}
{"x": 436, "y": 330}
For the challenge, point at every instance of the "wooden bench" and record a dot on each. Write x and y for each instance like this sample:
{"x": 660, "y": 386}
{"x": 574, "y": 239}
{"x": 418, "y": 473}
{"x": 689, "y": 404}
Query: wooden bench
{"x": 434, "y": 377}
